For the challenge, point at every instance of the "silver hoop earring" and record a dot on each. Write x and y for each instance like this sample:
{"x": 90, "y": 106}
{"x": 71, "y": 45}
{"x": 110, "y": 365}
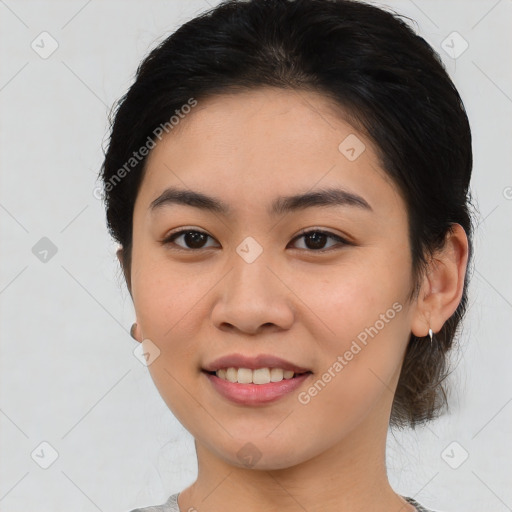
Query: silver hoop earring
{"x": 431, "y": 335}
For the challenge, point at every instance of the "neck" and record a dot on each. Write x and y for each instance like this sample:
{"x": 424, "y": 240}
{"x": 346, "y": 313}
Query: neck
{"x": 350, "y": 476}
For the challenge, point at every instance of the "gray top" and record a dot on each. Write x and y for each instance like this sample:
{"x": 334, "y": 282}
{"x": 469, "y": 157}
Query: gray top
{"x": 171, "y": 505}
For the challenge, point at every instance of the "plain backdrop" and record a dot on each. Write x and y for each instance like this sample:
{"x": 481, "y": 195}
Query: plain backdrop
{"x": 73, "y": 397}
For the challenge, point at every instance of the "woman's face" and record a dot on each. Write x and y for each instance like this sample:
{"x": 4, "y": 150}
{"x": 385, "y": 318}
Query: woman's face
{"x": 247, "y": 283}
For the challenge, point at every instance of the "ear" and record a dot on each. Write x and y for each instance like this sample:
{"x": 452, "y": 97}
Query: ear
{"x": 443, "y": 284}
{"x": 120, "y": 257}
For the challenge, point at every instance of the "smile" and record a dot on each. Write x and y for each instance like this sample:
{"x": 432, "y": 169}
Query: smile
{"x": 258, "y": 376}
{"x": 250, "y": 393}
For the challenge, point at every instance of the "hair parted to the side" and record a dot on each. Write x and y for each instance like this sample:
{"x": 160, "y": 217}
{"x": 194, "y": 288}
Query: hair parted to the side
{"x": 388, "y": 81}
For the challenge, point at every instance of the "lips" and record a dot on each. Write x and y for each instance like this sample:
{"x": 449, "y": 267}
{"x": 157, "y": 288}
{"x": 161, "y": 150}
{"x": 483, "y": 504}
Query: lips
{"x": 253, "y": 363}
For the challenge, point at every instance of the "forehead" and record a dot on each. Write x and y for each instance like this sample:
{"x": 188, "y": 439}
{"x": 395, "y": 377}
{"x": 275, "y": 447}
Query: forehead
{"x": 251, "y": 145}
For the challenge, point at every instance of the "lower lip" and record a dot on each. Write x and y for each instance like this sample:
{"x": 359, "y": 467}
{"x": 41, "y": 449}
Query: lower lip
{"x": 254, "y": 394}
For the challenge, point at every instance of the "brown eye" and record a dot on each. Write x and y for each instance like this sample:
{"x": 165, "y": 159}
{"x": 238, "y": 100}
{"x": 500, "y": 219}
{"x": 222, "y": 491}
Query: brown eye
{"x": 315, "y": 240}
{"x": 193, "y": 239}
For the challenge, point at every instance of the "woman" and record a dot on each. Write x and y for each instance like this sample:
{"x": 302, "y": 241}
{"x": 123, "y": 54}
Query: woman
{"x": 289, "y": 185}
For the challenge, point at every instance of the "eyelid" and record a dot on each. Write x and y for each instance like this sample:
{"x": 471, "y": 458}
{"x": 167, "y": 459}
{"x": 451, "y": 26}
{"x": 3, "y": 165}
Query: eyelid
{"x": 175, "y": 234}
{"x": 322, "y": 231}
{"x": 168, "y": 239}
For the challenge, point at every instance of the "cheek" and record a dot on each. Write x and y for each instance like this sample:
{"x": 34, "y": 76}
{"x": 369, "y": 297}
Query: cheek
{"x": 366, "y": 313}
{"x": 167, "y": 302}
{"x": 353, "y": 297}
{"x": 360, "y": 359}
{"x": 166, "y": 297}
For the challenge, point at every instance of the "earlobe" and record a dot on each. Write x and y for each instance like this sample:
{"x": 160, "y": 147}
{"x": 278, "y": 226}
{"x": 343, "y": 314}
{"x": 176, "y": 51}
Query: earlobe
{"x": 443, "y": 284}
{"x": 134, "y": 332}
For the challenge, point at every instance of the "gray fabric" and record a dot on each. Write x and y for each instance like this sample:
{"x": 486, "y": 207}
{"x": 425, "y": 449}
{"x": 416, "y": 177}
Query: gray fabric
{"x": 171, "y": 505}
{"x": 419, "y": 508}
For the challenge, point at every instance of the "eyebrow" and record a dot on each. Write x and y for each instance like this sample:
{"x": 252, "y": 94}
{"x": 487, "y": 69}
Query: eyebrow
{"x": 328, "y": 197}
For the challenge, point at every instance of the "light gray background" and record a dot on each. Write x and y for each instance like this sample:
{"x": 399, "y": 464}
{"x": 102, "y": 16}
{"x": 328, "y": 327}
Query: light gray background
{"x": 68, "y": 374}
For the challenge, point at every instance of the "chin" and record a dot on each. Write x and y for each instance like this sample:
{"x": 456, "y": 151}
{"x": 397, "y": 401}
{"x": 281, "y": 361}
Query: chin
{"x": 264, "y": 456}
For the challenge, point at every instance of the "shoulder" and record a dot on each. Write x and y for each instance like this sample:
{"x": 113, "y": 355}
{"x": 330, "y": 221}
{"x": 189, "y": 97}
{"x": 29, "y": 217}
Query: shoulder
{"x": 419, "y": 507}
{"x": 171, "y": 505}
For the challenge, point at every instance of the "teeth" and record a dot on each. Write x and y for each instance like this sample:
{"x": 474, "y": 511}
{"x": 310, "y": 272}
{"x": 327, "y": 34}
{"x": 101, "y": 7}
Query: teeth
{"x": 276, "y": 374}
{"x": 244, "y": 376}
{"x": 231, "y": 374}
{"x": 259, "y": 376}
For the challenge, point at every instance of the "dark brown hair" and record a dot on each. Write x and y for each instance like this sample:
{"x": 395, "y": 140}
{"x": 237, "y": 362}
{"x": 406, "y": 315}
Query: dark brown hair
{"x": 390, "y": 82}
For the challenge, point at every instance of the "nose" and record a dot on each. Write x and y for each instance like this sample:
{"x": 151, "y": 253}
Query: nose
{"x": 253, "y": 297}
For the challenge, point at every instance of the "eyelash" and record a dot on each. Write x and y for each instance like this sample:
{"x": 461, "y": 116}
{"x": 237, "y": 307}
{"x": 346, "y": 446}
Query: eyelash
{"x": 170, "y": 240}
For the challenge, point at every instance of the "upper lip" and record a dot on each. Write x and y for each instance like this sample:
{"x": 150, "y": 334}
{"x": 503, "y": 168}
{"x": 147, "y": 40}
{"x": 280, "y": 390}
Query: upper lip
{"x": 252, "y": 363}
